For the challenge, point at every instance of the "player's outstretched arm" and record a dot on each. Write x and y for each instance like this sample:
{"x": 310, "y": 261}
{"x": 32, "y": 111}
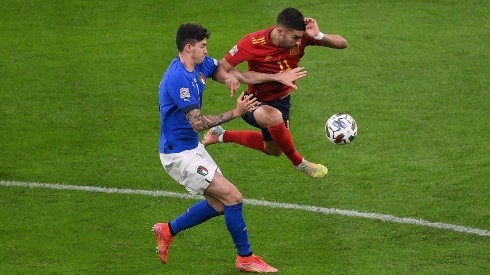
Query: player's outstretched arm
{"x": 250, "y": 77}
{"x": 328, "y": 40}
{"x": 201, "y": 122}
{"x": 223, "y": 76}
{"x": 334, "y": 41}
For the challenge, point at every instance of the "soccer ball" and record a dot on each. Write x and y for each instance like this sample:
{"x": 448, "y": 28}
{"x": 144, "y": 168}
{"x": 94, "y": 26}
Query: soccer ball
{"x": 341, "y": 129}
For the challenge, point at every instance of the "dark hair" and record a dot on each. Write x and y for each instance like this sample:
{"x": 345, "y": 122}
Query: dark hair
{"x": 190, "y": 33}
{"x": 291, "y": 18}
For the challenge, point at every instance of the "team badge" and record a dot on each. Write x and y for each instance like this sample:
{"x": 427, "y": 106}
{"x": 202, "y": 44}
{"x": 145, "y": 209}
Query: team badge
{"x": 233, "y": 50}
{"x": 294, "y": 50}
{"x": 202, "y": 171}
{"x": 202, "y": 78}
{"x": 185, "y": 94}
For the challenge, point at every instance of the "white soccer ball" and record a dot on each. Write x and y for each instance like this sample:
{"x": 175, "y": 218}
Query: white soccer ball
{"x": 341, "y": 128}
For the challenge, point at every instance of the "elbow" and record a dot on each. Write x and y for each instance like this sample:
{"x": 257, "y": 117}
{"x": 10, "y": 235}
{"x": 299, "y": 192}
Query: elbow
{"x": 197, "y": 128}
{"x": 343, "y": 44}
{"x": 340, "y": 43}
{"x": 336, "y": 44}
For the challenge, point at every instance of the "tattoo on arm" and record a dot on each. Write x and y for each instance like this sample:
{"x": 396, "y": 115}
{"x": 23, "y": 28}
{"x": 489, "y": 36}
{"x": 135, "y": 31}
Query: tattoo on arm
{"x": 200, "y": 122}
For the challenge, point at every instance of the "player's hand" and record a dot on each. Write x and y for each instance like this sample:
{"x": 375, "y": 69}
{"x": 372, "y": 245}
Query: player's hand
{"x": 245, "y": 103}
{"x": 289, "y": 77}
{"x": 312, "y": 28}
{"x": 232, "y": 84}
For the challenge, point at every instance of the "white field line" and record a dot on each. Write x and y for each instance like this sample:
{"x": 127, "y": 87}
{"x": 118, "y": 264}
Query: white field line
{"x": 323, "y": 210}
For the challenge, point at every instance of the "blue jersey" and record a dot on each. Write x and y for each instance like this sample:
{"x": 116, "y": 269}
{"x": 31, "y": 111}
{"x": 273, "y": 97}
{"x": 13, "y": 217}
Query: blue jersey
{"x": 180, "y": 92}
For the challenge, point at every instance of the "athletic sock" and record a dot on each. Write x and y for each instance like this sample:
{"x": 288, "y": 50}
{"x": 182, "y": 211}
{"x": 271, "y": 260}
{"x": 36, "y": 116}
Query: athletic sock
{"x": 247, "y": 138}
{"x": 238, "y": 229}
{"x": 281, "y": 135}
{"x": 196, "y": 214}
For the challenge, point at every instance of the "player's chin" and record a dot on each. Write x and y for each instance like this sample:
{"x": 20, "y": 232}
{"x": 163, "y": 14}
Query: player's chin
{"x": 200, "y": 60}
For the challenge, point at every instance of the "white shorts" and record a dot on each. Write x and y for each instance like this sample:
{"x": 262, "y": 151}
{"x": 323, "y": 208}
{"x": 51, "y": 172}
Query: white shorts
{"x": 193, "y": 169}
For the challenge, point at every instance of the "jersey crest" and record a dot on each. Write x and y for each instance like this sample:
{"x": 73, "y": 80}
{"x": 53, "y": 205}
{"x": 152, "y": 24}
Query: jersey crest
{"x": 185, "y": 94}
{"x": 294, "y": 51}
{"x": 201, "y": 170}
{"x": 202, "y": 77}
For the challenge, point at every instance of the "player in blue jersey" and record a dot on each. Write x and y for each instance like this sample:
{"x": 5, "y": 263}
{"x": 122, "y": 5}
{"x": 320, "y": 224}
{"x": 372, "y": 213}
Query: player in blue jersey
{"x": 185, "y": 159}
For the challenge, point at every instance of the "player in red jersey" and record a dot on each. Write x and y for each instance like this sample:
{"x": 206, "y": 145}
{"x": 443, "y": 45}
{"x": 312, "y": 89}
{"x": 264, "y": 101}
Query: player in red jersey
{"x": 276, "y": 49}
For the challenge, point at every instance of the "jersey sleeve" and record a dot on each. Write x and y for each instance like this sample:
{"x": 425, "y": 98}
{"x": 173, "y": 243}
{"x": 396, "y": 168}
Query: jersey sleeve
{"x": 242, "y": 51}
{"x": 180, "y": 90}
{"x": 209, "y": 66}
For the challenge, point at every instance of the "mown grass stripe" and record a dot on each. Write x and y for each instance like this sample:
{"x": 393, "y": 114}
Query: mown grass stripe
{"x": 309, "y": 208}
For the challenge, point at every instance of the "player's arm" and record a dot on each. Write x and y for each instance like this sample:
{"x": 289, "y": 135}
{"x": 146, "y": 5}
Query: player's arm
{"x": 230, "y": 80}
{"x": 250, "y": 77}
{"x": 201, "y": 122}
{"x": 334, "y": 41}
{"x": 328, "y": 40}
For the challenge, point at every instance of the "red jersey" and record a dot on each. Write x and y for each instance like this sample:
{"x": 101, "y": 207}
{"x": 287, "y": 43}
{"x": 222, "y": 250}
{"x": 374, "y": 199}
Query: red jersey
{"x": 262, "y": 56}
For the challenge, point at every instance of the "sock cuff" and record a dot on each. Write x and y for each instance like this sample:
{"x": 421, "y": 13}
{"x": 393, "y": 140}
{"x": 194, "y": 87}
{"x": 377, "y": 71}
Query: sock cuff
{"x": 211, "y": 209}
{"x": 234, "y": 206}
{"x": 220, "y": 137}
{"x": 278, "y": 128}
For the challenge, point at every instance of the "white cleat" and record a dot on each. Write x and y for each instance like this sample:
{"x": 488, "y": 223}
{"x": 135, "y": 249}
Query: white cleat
{"x": 212, "y": 136}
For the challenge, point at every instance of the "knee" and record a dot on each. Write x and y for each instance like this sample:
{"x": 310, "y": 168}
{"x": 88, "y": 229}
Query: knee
{"x": 235, "y": 197}
{"x": 268, "y": 117}
{"x": 276, "y": 119}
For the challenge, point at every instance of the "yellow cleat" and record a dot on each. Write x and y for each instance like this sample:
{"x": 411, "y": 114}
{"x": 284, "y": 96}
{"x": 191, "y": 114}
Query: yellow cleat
{"x": 312, "y": 169}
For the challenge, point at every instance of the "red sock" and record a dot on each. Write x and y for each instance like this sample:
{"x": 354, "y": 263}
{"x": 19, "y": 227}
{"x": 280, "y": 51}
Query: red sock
{"x": 247, "y": 138}
{"x": 281, "y": 135}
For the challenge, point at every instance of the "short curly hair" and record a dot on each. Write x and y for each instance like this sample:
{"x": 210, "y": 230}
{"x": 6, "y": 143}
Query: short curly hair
{"x": 190, "y": 33}
{"x": 291, "y": 18}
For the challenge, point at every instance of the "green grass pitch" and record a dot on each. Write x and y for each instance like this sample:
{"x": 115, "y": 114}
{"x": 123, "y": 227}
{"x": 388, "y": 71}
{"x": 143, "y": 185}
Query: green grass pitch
{"x": 78, "y": 106}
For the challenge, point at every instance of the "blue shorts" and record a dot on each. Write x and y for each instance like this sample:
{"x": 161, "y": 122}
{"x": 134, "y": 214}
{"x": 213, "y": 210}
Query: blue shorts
{"x": 283, "y": 105}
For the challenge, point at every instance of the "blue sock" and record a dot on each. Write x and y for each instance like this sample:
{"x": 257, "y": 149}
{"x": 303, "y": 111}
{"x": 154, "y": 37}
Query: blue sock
{"x": 196, "y": 214}
{"x": 238, "y": 229}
